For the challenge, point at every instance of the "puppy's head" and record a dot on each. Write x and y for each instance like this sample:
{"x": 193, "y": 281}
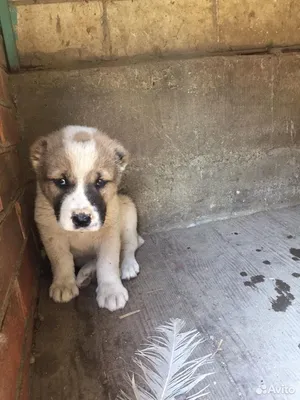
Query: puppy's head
{"x": 78, "y": 170}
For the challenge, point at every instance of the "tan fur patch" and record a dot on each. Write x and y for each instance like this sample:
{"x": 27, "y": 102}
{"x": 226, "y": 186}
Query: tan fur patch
{"x": 82, "y": 137}
{"x": 56, "y": 162}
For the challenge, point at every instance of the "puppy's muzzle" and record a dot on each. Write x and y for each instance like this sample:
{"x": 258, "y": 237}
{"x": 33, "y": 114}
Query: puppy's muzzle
{"x": 81, "y": 220}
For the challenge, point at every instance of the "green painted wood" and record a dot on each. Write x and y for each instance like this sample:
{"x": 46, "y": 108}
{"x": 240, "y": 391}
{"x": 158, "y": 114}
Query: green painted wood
{"x": 7, "y": 15}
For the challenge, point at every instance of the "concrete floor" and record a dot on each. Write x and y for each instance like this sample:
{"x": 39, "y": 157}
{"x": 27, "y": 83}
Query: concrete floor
{"x": 236, "y": 280}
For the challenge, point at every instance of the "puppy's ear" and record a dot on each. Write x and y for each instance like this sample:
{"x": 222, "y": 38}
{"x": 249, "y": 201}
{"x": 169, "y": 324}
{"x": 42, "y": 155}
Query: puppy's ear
{"x": 37, "y": 151}
{"x": 122, "y": 156}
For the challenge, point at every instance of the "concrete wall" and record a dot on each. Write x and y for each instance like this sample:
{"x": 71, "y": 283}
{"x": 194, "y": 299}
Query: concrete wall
{"x": 58, "y": 32}
{"x": 210, "y": 137}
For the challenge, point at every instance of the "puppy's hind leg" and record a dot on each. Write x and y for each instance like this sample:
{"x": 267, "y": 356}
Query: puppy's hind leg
{"x": 86, "y": 274}
{"x": 130, "y": 240}
{"x": 141, "y": 241}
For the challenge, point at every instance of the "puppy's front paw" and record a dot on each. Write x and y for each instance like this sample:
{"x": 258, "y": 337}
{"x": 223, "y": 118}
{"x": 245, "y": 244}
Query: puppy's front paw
{"x": 112, "y": 296}
{"x": 129, "y": 269}
{"x": 62, "y": 292}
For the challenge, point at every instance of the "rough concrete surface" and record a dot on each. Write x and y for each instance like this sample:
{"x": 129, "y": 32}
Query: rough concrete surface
{"x": 68, "y": 31}
{"x": 256, "y": 22}
{"x": 62, "y": 32}
{"x": 235, "y": 281}
{"x": 209, "y": 137}
{"x": 155, "y": 27}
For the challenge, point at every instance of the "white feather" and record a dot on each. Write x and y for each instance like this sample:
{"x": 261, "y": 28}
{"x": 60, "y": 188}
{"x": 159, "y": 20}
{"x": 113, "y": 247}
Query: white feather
{"x": 166, "y": 369}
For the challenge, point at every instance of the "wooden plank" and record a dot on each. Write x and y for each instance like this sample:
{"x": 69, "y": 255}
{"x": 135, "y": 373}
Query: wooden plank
{"x": 33, "y": 2}
{"x": 2, "y": 54}
{"x": 6, "y": 12}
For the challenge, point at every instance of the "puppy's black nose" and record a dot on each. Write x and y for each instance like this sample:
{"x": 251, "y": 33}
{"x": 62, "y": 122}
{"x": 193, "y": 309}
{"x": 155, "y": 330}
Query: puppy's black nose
{"x": 81, "y": 220}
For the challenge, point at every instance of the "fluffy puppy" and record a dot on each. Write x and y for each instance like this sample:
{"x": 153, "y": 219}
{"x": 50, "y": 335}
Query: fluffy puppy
{"x": 81, "y": 216}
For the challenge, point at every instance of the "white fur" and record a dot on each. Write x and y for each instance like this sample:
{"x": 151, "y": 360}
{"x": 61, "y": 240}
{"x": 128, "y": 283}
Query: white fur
{"x": 129, "y": 268}
{"x": 82, "y": 156}
{"x": 112, "y": 295}
{"x": 86, "y": 273}
{"x": 77, "y": 202}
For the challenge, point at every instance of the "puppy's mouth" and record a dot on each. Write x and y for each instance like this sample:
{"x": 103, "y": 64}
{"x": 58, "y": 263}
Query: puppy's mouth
{"x": 93, "y": 227}
{"x": 80, "y": 222}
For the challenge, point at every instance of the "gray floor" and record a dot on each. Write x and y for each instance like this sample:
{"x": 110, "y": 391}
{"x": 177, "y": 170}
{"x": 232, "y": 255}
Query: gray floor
{"x": 236, "y": 281}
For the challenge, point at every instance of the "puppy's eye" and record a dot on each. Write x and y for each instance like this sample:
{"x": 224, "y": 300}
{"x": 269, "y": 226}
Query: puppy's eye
{"x": 61, "y": 182}
{"x": 100, "y": 183}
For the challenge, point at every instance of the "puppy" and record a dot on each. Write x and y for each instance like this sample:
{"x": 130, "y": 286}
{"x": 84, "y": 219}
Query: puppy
{"x": 80, "y": 214}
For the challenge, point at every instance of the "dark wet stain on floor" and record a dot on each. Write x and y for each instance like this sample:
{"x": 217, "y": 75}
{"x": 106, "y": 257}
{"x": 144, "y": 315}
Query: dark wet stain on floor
{"x": 257, "y": 279}
{"x": 258, "y": 250}
{"x": 296, "y": 275}
{"x": 243, "y": 273}
{"x": 284, "y": 298}
{"x": 266, "y": 262}
{"x": 295, "y": 258}
{"x": 295, "y": 252}
{"x": 254, "y": 280}
{"x": 290, "y": 237}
